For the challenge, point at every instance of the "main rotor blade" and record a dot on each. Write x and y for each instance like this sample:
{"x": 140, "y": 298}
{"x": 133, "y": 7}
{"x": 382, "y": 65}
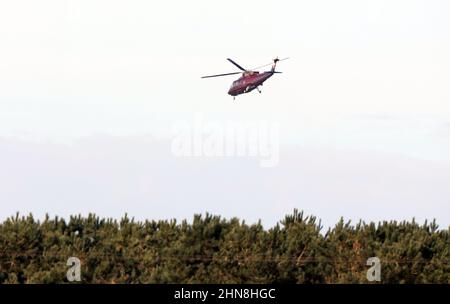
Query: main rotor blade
{"x": 263, "y": 66}
{"x": 241, "y": 68}
{"x": 218, "y": 75}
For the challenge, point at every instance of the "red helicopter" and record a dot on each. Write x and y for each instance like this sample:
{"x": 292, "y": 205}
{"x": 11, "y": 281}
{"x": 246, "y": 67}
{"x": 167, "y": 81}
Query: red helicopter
{"x": 250, "y": 79}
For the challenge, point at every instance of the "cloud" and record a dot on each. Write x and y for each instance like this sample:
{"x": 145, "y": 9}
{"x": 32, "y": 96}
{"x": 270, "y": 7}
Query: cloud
{"x": 140, "y": 176}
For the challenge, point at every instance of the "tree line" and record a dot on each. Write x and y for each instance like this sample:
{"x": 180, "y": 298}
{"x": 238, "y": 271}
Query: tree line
{"x": 212, "y": 249}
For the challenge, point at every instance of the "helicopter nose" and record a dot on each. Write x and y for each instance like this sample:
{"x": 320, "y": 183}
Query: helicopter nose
{"x": 232, "y": 91}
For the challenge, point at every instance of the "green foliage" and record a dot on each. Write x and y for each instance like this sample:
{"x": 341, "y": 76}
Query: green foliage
{"x": 211, "y": 249}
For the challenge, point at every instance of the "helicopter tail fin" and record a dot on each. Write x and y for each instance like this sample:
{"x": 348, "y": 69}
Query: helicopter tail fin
{"x": 274, "y": 65}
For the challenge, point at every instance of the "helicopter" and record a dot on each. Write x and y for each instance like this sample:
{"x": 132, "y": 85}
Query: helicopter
{"x": 250, "y": 79}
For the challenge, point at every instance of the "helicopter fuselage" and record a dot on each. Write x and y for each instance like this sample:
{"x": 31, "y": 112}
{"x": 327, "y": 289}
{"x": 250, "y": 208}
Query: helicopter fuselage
{"x": 248, "y": 82}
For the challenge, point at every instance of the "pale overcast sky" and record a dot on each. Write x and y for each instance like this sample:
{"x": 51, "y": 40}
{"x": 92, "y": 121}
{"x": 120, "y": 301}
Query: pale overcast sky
{"x": 90, "y": 92}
